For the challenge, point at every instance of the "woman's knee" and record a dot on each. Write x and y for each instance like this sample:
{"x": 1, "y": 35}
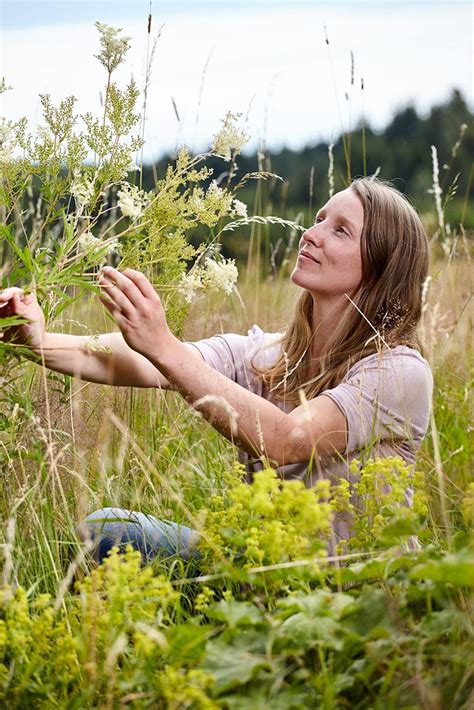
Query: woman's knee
{"x": 109, "y": 527}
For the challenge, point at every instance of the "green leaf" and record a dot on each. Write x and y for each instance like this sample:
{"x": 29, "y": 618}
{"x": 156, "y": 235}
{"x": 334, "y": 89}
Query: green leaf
{"x": 232, "y": 666}
{"x": 187, "y": 643}
{"x": 300, "y": 632}
{"x": 235, "y": 613}
{"x": 258, "y": 699}
{"x": 457, "y": 569}
{"x": 399, "y": 528}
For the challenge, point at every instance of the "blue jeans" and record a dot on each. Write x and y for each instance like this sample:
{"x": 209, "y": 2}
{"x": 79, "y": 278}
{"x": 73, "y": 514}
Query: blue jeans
{"x": 109, "y": 527}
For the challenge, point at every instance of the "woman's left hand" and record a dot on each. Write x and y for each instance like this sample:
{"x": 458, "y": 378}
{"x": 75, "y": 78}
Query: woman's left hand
{"x": 137, "y": 310}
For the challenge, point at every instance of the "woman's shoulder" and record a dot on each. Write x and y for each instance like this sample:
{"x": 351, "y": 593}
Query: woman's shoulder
{"x": 263, "y": 347}
{"x": 398, "y": 359}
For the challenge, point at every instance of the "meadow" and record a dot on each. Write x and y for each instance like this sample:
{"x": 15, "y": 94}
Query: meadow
{"x": 264, "y": 618}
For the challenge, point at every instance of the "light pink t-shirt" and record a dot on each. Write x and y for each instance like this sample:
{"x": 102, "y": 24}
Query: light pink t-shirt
{"x": 384, "y": 397}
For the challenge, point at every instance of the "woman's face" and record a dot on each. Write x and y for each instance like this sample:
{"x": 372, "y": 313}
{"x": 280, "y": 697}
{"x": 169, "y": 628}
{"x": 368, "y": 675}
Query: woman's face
{"x": 329, "y": 262}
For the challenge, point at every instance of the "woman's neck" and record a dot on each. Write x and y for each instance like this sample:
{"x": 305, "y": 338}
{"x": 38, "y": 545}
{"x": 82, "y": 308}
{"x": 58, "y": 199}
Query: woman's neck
{"x": 326, "y": 317}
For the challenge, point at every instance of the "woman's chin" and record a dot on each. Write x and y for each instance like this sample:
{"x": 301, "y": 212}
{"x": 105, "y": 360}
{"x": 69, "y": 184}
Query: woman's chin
{"x": 299, "y": 278}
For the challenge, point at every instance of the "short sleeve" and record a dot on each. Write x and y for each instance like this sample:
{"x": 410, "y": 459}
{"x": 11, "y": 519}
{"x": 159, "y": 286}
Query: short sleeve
{"x": 386, "y": 397}
{"x": 233, "y": 355}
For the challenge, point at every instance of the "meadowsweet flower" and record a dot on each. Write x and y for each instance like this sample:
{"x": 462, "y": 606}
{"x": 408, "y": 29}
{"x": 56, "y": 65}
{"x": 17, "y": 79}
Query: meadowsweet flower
{"x": 82, "y": 189}
{"x": 6, "y": 140}
{"x": 231, "y": 139}
{"x": 132, "y": 201}
{"x": 220, "y": 275}
{"x": 114, "y": 48}
{"x": 189, "y": 285}
{"x": 239, "y": 209}
{"x": 87, "y": 243}
{"x": 91, "y": 246}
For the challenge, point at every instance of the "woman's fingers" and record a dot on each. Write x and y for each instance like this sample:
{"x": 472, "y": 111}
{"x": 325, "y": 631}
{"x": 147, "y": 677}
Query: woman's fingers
{"x": 114, "y": 296}
{"x": 124, "y": 283}
{"x": 8, "y": 294}
{"x": 141, "y": 282}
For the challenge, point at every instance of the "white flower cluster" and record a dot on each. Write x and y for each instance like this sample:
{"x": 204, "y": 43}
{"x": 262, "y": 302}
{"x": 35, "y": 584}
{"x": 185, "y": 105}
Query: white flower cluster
{"x": 231, "y": 138}
{"x": 220, "y": 275}
{"x": 82, "y": 189}
{"x": 132, "y": 201}
{"x": 6, "y": 140}
{"x": 239, "y": 209}
{"x": 91, "y": 246}
{"x": 114, "y": 48}
{"x": 213, "y": 276}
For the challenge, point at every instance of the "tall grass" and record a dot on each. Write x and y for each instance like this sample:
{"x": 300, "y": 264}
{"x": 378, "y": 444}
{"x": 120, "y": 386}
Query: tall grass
{"x": 259, "y": 624}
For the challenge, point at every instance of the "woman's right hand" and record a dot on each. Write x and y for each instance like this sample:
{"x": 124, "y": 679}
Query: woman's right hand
{"x": 14, "y": 302}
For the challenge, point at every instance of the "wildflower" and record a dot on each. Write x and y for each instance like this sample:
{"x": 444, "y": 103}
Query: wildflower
{"x": 203, "y": 599}
{"x": 6, "y": 140}
{"x": 114, "y": 48}
{"x": 82, "y": 189}
{"x": 87, "y": 243}
{"x": 231, "y": 139}
{"x": 132, "y": 201}
{"x": 91, "y": 245}
{"x": 189, "y": 284}
{"x": 220, "y": 275}
{"x": 239, "y": 209}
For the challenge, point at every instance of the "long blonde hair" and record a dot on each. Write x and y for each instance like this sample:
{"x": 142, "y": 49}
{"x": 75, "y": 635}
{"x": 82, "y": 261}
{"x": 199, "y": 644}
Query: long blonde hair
{"x": 384, "y": 312}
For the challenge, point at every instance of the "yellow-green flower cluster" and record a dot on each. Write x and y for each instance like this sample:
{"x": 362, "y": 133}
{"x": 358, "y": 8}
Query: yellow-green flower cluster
{"x": 269, "y": 521}
{"x": 384, "y": 491}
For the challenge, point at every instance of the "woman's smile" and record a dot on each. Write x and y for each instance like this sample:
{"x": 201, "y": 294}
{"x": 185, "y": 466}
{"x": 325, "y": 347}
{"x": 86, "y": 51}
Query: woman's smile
{"x": 306, "y": 256}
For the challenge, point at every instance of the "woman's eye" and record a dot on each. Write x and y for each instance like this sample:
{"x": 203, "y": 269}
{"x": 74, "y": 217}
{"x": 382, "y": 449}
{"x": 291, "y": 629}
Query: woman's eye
{"x": 341, "y": 229}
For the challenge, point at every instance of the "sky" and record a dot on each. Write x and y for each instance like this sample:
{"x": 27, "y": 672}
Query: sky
{"x": 265, "y": 59}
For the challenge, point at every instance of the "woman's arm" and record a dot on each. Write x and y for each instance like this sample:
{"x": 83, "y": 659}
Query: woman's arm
{"x": 255, "y": 424}
{"x": 105, "y": 359}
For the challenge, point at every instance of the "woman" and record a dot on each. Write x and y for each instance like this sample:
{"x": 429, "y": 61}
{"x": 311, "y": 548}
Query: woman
{"x": 345, "y": 381}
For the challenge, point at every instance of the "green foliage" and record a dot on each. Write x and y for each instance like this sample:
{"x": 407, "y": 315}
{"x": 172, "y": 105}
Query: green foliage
{"x": 116, "y": 639}
{"x": 269, "y": 622}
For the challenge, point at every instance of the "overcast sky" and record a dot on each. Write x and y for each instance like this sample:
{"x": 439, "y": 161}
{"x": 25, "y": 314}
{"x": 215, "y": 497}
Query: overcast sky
{"x": 266, "y": 59}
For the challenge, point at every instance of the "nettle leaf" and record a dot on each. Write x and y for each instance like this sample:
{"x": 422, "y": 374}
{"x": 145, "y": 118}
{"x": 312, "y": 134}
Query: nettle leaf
{"x": 235, "y": 613}
{"x": 457, "y": 569}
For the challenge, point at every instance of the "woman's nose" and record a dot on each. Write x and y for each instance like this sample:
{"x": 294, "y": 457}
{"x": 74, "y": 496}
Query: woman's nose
{"x": 313, "y": 235}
